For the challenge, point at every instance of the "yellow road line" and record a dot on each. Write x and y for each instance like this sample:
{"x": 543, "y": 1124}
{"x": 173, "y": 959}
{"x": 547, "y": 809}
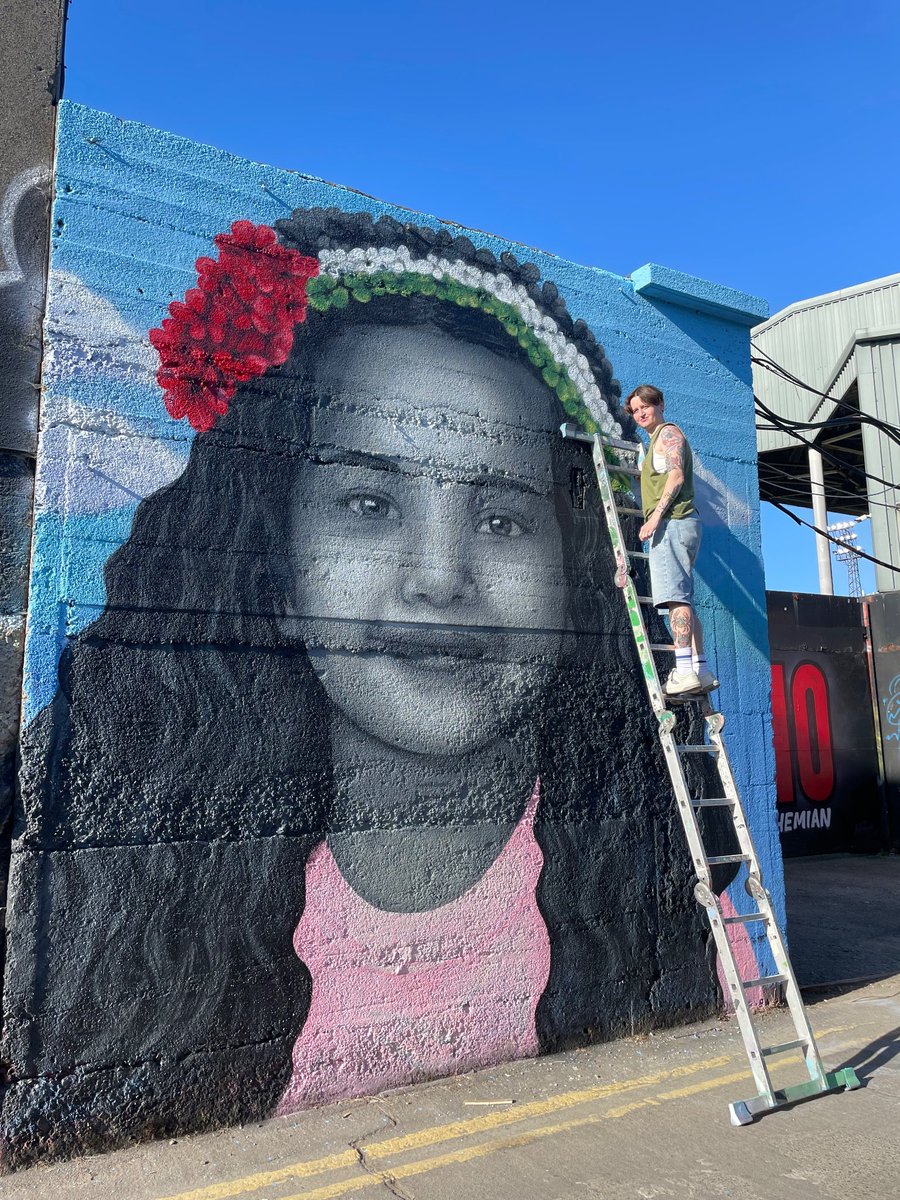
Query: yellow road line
{"x": 436, "y": 1134}
{"x": 468, "y": 1153}
{"x": 443, "y": 1133}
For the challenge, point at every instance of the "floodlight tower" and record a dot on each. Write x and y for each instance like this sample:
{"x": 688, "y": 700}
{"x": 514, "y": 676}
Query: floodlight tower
{"x": 847, "y": 552}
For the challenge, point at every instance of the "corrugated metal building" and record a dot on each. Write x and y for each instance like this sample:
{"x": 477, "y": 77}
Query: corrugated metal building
{"x": 845, "y": 347}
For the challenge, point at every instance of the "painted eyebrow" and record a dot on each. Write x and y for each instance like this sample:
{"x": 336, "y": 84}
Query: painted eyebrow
{"x": 335, "y": 456}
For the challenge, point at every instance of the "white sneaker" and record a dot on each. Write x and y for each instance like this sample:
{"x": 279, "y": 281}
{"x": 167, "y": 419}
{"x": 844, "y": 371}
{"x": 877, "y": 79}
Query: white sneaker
{"x": 681, "y": 683}
{"x": 708, "y": 681}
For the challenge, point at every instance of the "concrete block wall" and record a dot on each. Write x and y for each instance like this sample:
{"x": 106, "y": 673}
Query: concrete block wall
{"x": 30, "y": 56}
{"x": 338, "y": 772}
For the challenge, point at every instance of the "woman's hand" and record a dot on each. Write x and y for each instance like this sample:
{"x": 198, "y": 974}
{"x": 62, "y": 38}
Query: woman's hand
{"x": 649, "y": 527}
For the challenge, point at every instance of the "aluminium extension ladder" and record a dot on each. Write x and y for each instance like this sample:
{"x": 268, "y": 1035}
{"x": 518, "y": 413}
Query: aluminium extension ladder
{"x": 742, "y": 1112}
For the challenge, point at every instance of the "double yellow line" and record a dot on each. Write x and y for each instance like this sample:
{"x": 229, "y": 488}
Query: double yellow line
{"x": 439, "y": 1134}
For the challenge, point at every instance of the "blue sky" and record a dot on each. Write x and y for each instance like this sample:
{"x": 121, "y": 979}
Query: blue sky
{"x": 755, "y": 146}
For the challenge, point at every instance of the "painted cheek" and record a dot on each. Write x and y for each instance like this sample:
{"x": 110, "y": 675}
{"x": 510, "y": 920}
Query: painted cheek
{"x": 523, "y": 580}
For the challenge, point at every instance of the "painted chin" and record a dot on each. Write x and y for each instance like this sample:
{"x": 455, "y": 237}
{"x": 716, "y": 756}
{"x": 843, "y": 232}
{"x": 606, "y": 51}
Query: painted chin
{"x": 430, "y": 704}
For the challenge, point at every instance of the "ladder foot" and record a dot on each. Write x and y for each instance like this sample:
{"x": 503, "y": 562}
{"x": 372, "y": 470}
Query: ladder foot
{"x": 849, "y": 1078}
{"x": 740, "y": 1114}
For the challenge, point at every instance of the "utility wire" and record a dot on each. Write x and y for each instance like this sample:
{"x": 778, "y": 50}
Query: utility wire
{"x": 840, "y": 423}
{"x": 832, "y": 486}
{"x": 832, "y": 458}
{"x": 776, "y": 368}
{"x": 862, "y": 554}
{"x": 834, "y": 493}
{"x": 856, "y": 417}
{"x": 791, "y": 428}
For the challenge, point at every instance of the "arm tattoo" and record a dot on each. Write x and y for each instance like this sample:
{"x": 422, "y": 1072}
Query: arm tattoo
{"x": 672, "y": 440}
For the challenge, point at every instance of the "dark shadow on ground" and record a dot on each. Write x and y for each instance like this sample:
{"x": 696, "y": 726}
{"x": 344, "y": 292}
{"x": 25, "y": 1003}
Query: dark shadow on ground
{"x": 877, "y": 1054}
{"x": 843, "y": 919}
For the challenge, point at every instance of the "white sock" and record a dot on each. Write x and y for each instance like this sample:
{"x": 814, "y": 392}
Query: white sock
{"x": 700, "y": 663}
{"x": 683, "y": 658}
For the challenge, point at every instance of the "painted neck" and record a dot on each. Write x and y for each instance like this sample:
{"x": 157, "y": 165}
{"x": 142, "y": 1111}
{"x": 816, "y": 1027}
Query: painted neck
{"x": 411, "y": 832}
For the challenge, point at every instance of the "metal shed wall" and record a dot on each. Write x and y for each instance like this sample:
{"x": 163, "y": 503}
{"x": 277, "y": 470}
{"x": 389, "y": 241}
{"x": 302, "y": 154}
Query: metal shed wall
{"x": 878, "y": 372}
{"x": 810, "y": 339}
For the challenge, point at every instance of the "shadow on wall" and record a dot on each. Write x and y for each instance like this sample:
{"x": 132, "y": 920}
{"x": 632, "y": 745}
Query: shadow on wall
{"x": 24, "y": 223}
{"x": 23, "y": 241}
{"x": 726, "y": 564}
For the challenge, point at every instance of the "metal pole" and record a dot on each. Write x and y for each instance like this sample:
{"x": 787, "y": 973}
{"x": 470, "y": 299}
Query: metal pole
{"x": 820, "y": 520}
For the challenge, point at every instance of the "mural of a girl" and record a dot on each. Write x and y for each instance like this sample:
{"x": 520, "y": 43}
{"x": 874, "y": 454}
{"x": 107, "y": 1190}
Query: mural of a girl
{"x": 360, "y": 724}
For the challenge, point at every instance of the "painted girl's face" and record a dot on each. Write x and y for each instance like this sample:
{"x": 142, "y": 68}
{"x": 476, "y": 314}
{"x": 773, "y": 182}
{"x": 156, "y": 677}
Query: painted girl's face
{"x": 429, "y": 563}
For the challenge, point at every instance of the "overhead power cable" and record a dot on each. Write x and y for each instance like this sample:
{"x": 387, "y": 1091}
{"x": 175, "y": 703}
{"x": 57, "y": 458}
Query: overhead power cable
{"x": 862, "y": 553}
{"x": 836, "y": 494}
{"x": 777, "y": 368}
{"x": 856, "y": 416}
{"x": 840, "y": 423}
{"x": 823, "y": 450}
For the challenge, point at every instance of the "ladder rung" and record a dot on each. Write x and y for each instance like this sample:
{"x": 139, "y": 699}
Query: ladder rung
{"x": 713, "y": 802}
{"x": 618, "y": 444}
{"x": 645, "y": 599}
{"x": 697, "y": 749}
{"x": 631, "y": 512}
{"x": 618, "y": 469}
{"x": 719, "y": 859}
{"x": 636, "y": 554}
{"x": 744, "y": 918}
{"x": 662, "y": 646}
{"x": 796, "y": 1044}
{"x": 764, "y": 981}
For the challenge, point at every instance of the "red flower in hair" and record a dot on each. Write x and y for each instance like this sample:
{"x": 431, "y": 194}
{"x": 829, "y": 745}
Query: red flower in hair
{"x": 234, "y": 325}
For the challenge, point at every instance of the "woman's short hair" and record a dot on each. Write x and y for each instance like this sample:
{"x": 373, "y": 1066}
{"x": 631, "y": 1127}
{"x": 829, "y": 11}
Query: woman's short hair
{"x": 646, "y": 392}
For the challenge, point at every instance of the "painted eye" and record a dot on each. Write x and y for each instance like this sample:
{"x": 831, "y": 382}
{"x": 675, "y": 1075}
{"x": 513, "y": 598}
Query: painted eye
{"x": 499, "y": 525}
{"x": 367, "y": 504}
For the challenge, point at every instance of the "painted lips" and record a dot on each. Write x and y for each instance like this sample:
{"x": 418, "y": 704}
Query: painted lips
{"x": 430, "y": 644}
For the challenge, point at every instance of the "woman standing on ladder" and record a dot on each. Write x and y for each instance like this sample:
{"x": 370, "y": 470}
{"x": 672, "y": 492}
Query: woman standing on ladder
{"x": 672, "y": 527}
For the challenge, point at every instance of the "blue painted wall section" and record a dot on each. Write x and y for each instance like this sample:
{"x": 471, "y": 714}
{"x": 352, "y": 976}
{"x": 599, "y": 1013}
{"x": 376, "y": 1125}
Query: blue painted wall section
{"x": 338, "y": 772}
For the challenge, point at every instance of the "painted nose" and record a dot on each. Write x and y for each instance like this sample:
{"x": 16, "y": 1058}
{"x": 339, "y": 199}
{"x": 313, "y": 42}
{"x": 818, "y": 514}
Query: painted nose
{"x": 439, "y": 587}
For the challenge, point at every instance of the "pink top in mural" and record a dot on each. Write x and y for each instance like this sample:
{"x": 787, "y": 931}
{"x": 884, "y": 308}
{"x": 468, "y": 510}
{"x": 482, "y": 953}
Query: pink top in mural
{"x": 399, "y": 997}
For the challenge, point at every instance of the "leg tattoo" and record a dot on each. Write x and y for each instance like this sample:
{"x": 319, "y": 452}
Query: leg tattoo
{"x": 681, "y": 626}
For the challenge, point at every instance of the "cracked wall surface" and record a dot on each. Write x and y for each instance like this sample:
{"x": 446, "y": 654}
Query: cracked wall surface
{"x": 337, "y": 771}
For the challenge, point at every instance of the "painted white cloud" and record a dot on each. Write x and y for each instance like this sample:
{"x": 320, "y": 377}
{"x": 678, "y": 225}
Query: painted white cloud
{"x": 92, "y": 461}
{"x": 86, "y": 332}
{"x": 95, "y": 459}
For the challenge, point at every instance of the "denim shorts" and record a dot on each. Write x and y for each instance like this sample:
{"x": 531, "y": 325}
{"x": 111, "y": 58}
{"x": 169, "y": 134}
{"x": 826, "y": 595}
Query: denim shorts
{"x": 673, "y": 552}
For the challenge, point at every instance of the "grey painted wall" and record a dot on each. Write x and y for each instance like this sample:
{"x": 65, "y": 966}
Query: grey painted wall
{"x": 30, "y": 75}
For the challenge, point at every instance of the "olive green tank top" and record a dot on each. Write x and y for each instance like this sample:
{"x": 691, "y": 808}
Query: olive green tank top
{"x": 653, "y": 482}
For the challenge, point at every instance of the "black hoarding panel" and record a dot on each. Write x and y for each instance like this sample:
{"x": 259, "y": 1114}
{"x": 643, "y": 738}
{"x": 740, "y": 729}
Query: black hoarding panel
{"x": 884, "y": 617}
{"x": 825, "y": 749}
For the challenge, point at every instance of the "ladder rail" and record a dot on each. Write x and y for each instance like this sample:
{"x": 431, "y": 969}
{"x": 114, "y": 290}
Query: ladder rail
{"x": 689, "y": 808}
{"x": 794, "y": 1001}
